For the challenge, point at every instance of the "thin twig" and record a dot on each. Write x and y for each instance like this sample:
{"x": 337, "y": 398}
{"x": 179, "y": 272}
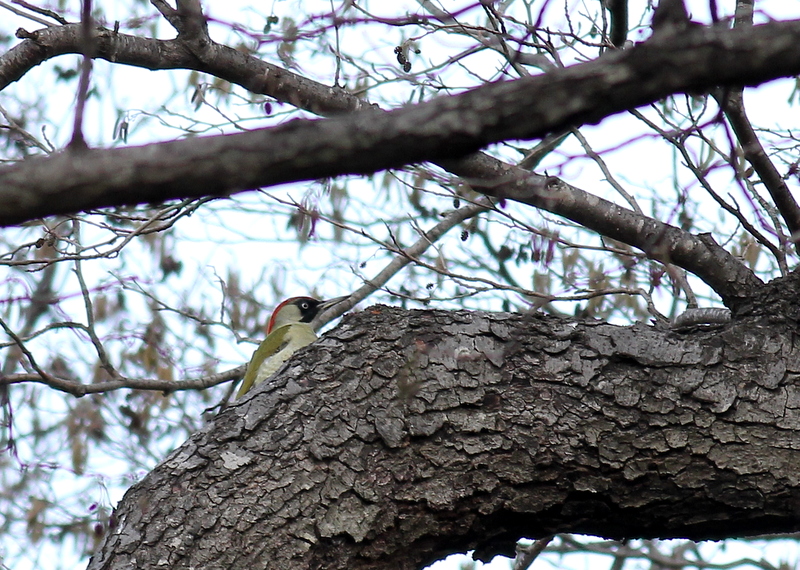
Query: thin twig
{"x": 607, "y": 172}
{"x": 78, "y": 389}
{"x": 404, "y": 256}
{"x": 173, "y": 211}
{"x": 701, "y": 178}
{"x": 105, "y": 363}
{"x": 14, "y": 126}
{"x": 19, "y": 12}
{"x": 44, "y": 376}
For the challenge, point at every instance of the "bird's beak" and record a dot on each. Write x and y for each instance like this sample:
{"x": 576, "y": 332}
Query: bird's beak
{"x": 324, "y": 306}
{"x": 331, "y": 302}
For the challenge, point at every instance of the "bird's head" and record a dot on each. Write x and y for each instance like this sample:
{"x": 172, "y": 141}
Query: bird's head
{"x": 298, "y": 310}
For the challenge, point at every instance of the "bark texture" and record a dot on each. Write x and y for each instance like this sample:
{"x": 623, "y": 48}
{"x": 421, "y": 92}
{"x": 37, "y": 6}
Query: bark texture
{"x": 401, "y": 436}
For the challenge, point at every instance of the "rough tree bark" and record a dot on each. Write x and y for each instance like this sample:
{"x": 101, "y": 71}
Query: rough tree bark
{"x": 402, "y": 436}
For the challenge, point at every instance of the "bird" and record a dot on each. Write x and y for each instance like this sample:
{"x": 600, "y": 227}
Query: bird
{"x": 288, "y": 330}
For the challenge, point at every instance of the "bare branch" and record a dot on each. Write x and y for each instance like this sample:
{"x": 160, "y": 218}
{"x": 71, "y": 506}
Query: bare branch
{"x": 159, "y": 221}
{"x": 732, "y": 102}
{"x": 32, "y": 140}
{"x": 733, "y": 210}
{"x": 618, "y": 10}
{"x": 41, "y": 374}
{"x": 79, "y": 389}
{"x": 670, "y": 16}
{"x": 607, "y": 172}
{"x": 527, "y": 554}
{"x": 78, "y": 141}
{"x": 404, "y": 257}
{"x": 43, "y": 11}
{"x": 666, "y": 243}
{"x": 87, "y": 302}
{"x": 169, "y": 13}
{"x": 597, "y": 89}
{"x": 31, "y": 17}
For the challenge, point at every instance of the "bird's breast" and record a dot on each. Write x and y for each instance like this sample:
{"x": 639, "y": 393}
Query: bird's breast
{"x": 296, "y": 338}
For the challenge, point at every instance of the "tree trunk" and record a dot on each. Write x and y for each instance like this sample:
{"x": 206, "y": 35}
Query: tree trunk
{"x": 402, "y": 436}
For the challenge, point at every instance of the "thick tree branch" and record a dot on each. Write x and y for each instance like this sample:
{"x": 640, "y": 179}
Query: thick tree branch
{"x": 222, "y": 61}
{"x": 755, "y": 154}
{"x": 732, "y": 102}
{"x": 668, "y": 244}
{"x": 586, "y": 93}
{"x": 402, "y": 436}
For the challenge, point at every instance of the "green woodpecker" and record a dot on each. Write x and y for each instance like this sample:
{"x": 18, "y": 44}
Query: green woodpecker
{"x": 289, "y": 329}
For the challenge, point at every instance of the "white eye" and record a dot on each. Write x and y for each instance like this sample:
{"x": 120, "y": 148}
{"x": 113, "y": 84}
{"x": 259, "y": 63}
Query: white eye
{"x": 304, "y": 305}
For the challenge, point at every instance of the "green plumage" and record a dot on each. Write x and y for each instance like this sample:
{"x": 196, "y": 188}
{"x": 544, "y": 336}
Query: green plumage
{"x": 288, "y": 330}
{"x": 276, "y": 349}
